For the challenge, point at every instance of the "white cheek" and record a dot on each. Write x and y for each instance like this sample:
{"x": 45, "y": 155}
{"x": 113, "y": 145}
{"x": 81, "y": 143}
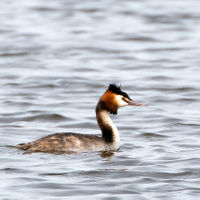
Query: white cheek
{"x": 121, "y": 102}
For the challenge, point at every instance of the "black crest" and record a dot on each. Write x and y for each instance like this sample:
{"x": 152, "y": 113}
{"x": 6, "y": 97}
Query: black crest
{"x": 117, "y": 90}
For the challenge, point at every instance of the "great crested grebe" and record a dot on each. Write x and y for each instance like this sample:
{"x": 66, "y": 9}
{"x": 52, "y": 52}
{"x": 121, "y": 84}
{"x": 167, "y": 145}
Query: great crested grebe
{"x": 109, "y": 102}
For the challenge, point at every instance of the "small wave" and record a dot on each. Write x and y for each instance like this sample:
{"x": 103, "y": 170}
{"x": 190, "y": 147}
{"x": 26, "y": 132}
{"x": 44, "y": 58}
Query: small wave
{"x": 188, "y": 124}
{"x": 38, "y": 117}
{"x": 13, "y": 54}
{"x": 152, "y": 135}
{"x": 45, "y": 117}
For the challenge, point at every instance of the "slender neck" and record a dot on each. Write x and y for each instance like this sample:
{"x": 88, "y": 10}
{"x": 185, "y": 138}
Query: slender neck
{"x": 109, "y": 131}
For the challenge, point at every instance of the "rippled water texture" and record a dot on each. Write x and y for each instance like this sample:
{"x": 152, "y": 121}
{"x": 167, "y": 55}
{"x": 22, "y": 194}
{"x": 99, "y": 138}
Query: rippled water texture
{"x": 58, "y": 56}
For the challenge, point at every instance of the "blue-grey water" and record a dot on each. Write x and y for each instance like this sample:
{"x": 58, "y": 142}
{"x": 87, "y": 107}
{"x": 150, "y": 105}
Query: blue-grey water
{"x": 58, "y": 56}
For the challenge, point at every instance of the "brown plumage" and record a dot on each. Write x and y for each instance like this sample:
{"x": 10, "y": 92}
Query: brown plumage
{"x": 58, "y": 142}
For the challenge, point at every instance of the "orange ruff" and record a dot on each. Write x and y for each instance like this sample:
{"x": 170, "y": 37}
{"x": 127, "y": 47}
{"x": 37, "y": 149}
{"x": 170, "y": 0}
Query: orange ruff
{"x": 109, "y": 98}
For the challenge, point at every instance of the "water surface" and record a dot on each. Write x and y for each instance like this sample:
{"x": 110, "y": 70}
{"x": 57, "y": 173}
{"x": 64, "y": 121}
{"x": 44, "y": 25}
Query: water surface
{"x": 58, "y": 57}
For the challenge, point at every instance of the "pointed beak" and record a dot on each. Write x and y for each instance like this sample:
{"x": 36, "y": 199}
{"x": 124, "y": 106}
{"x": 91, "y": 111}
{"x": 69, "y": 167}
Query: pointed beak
{"x": 134, "y": 103}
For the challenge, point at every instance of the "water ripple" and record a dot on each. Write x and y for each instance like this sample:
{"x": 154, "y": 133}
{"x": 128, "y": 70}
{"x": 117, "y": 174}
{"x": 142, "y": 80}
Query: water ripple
{"x": 57, "y": 58}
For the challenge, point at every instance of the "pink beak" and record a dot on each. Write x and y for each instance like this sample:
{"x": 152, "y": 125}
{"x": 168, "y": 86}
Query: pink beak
{"x": 135, "y": 103}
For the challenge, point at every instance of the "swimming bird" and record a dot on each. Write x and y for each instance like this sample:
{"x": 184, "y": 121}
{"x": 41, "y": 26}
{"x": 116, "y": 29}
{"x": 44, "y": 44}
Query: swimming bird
{"x": 109, "y": 140}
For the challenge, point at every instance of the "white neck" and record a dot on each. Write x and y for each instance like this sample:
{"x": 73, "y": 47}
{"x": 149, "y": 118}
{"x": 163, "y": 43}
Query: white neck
{"x": 109, "y": 131}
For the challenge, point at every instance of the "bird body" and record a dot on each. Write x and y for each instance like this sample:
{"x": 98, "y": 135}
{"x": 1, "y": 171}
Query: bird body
{"x": 109, "y": 140}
